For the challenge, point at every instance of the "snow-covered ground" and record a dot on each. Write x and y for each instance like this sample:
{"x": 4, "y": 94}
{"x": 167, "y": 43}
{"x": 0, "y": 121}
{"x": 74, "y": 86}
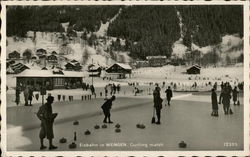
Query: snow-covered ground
{"x": 177, "y": 74}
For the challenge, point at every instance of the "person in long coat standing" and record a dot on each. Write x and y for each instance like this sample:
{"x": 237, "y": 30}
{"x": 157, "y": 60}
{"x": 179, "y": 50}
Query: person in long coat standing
{"x": 31, "y": 95}
{"x": 158, "y": 105}
{"x": 106, "y": 107}
{"x": 47, "y": 117}
{"x": 235, "y": 95}
{"x": 225, "y": 99}
{"x": 26, "y": 95}
{"x": 18, "y": 91}
{"x": 214, "y": 104}
{"x": 169, "y": 95}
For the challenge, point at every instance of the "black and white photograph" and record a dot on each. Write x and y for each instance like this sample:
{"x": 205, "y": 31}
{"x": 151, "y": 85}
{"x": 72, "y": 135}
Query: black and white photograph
{"x": 102, "y": 77}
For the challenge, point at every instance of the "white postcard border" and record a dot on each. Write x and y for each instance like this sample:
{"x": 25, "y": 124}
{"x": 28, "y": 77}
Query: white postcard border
{"x": 126, "y": 153}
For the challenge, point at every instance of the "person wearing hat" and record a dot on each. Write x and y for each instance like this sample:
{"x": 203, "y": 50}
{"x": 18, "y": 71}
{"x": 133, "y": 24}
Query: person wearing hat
{"x": 169, "y": 95}
{"x": 106, "y": 107}
{"x": 214, "y": 103}
{"x": 47, "y": 117}
{"x": 158, "y": 105}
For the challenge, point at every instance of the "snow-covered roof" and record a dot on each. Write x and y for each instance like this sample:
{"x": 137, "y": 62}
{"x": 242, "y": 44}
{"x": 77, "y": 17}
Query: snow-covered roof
{"x": 49, "y": 73}
{"x": 156, "y": 57}
{"x": 125, "y": 66}
{"x": 196, "y": 66}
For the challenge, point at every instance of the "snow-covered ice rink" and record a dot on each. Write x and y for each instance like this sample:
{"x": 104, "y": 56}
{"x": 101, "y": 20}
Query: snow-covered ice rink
{"x": 187, "y": 119}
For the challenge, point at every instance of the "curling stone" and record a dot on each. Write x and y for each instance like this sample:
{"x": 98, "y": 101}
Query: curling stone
{"x": 182, "y": 144}
{"x": 76, "y": 123}
{"x": 72, "y": 145}
{"x": 117, "y": 125}
{"x": 117, "y": 130}
{"x": 96, "y": 126}
{"x": 104, "y": 126}
{"x": 87, "y": 132}
{"x": 142, "y": 126}
{"x": 63, "y": 140}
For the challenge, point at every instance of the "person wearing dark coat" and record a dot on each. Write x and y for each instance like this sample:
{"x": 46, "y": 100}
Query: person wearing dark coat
{"x": 235, "y": 95}
{"x": 106, "y": 107}
{"x": 214, "y": 104}
{"x": 225, "y": 99}
{"x": 47, "y": 117}
{"x": 92, "y": 88}
{"x": 26, "y": 95}
{"x": 158, "y": 105}
{"x": 169, "y": 95}
{"x": 18, "y": 91}
{"x": 31, "y": 95}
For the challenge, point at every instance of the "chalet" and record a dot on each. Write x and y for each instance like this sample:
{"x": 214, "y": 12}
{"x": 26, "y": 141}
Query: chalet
{"x": 54, "y": 53}
{"x": 14, "y": 55}
{"x": 10, "y": 62}
{"x": 34, "y": 58}
{"x": 141, "y": 63}
{"x": 40, "y": 52}
{"x": 50, "y": 79}
{"x": 119, "y": 70}
{"x": 18, "y": 68}
{"x": 44, "y": 68}
{"x": 42, "y": 57}
{"x": 52, "y": 59}
{"x": 94, "y": 70}
{"x": 73, "y": 66}
{"x": 42, "y": 60}
{"x": 157, "y": 61}
{"x": 195, "y": 69}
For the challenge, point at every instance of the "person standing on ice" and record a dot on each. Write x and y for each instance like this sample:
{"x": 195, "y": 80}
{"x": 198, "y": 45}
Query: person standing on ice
{"x": 106, "y": 91}
{"x": 31, "y": 95}
{"x": 106, "y": 107}
{"x": 225, "y": 99}
{"x": 18, "y": 91}
{"x": 235, "y": 95}
{"x": 169, "y": 95}
{"x": 214, "y": 103}
{"x": 47, "y": 117}
{"x": 26, "y": 95}
{"x": 157, "y": 104}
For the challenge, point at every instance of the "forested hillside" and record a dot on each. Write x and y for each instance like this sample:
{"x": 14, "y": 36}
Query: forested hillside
{"x": 49, "y": 18}
{"x": 146, "y": 30}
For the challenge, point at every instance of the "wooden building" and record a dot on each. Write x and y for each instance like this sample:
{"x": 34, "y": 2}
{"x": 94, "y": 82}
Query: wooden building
{"x": 14, "y": 55}
{"x": 50, "y": 79}
{"x": 73, "y": 66}
{"x": 119, "y": 71}
{"x": 157, "y": 61}
{"x": 195, "y": 69}
{"x": 18, "y": 68}
{"x": 52, "y": 59}
{"x": 94, "y": 70}
{"x": 54, "y": 53}
{"x": 10, "y": 62}
{"x": 40, "y": 52}
{"x": 141, "y": 63}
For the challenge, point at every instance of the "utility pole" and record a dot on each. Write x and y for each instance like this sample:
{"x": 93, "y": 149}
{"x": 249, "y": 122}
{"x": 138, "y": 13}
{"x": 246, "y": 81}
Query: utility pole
{"x": 92, "y": 73}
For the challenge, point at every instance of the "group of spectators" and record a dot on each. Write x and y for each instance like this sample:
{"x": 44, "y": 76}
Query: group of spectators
{"x": 225, "y": 97}
{"x": 27, "y": 93}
